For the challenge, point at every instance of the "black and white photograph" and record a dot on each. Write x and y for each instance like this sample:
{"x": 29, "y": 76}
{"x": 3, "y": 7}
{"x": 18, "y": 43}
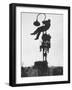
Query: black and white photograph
{"x": 42, "y": 44}
{"x": 40, "y": 36}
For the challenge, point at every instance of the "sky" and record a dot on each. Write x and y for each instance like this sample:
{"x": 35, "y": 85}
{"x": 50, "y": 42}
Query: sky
{"x": 30, "y": 47}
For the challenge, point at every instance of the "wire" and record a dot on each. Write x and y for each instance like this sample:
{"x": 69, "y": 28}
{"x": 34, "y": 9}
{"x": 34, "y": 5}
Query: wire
{"x": 40, "y": 14}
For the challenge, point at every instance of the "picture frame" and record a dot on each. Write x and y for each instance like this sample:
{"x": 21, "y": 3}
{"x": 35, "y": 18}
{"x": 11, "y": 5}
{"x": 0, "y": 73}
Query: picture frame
{"x": 27, "y": 65}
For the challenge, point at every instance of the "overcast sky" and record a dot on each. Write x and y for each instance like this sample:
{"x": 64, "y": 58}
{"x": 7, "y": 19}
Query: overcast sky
{"x": 30, "y": 47}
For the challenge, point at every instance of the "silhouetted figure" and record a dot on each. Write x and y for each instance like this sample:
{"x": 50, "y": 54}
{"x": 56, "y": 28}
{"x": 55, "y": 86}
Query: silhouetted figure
{"x": 45, "y": 45}
{"x": 45, "y": 27}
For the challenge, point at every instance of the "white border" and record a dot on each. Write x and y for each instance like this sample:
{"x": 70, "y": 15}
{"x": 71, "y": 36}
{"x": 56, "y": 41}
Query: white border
{"x": 64, "y": 77}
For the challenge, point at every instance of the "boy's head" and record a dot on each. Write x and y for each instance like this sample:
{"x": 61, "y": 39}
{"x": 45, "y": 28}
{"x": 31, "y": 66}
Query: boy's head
{"x": 46, "y": 21}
